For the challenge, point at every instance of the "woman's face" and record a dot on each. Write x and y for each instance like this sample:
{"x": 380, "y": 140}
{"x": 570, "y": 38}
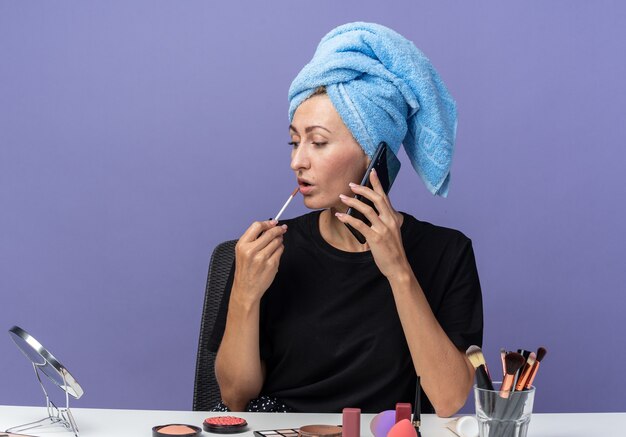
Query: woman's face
{"x": 325, "y": 156}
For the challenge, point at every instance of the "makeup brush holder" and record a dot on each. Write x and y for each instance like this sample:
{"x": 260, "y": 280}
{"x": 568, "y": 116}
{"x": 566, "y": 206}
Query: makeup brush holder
{"x": 502, "y": 415}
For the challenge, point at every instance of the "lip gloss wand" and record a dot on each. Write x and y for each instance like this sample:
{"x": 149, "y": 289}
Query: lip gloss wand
{"x": 286, "y": 203}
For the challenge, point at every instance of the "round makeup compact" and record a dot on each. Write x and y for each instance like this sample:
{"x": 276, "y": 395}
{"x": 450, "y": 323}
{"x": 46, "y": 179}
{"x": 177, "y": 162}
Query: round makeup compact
{"x": 319, "y": 431}
{"x": 176, "y": 429}
{"x": 224, "y": 424}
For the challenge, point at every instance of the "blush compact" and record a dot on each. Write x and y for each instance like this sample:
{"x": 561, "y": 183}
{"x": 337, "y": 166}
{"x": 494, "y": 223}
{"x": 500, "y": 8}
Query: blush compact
{"x": 224, "y": 424}
{"x": 320, "y": 431}
{"x": 177, "y": 429}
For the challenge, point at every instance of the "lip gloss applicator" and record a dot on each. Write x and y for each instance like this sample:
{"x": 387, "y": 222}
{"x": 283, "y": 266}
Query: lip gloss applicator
{"x": 287, "y": 203}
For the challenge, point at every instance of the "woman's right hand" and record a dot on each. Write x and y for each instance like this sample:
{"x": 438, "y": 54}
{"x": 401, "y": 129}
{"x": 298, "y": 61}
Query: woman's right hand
{"x": 257, "y": 256}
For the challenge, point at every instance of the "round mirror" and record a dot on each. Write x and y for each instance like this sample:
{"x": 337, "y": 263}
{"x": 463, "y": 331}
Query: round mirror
{"x": 45, "y": 361}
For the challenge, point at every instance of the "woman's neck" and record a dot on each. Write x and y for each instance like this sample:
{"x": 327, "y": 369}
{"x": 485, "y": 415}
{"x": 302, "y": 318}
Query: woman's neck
{"x": 337, "y": 234}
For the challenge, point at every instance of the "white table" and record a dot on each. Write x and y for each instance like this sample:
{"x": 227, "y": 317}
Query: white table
{"x": 138, "y": 423}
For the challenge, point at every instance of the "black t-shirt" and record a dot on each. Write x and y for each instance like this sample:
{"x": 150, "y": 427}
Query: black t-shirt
{"x": 330, "y": 334}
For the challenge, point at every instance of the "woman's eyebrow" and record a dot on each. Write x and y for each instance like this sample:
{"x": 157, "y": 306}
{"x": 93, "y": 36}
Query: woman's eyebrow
{"x": 309, "y": 128}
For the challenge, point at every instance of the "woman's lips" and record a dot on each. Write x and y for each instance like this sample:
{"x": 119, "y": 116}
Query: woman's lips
{"x": 305, "y": 188}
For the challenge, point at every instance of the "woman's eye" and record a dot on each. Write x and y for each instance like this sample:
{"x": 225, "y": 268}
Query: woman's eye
{"x": 319, "y": 144}
{"x": 293, "y": 144}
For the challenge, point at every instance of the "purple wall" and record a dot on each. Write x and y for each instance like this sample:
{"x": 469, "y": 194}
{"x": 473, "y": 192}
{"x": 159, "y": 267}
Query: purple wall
{"x": 134, "y": 136}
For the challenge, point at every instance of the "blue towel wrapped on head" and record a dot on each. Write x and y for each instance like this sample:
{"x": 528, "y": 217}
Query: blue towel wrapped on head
{"x": 385, "y": 89}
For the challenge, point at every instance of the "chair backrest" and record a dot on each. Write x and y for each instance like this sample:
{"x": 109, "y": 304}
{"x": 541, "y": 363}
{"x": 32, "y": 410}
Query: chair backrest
{"x": 206, "y": 392}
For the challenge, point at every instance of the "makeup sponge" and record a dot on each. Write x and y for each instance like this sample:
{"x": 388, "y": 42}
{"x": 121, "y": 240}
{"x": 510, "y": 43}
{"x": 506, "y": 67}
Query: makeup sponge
{"x": 404, "y": 428}
{"x": 382, "y": 423}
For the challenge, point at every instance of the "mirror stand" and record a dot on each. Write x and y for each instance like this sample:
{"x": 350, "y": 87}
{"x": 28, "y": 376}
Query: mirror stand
{"x": 57, "y": 417}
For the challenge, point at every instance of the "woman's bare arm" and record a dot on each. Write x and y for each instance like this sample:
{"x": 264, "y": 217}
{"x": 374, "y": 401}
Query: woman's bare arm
{"x": 446, "y": 373}
{"x": 239, "y": 370}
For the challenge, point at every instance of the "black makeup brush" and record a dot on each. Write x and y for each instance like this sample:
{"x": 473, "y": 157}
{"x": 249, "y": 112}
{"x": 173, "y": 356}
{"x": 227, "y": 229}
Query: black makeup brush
{"x": 512, "y": 363}
{"x": 503, "y": 404}
{"x": 417, "y": 407}
{"x": 476, "y": 357}
{"x": 508, "y": 406}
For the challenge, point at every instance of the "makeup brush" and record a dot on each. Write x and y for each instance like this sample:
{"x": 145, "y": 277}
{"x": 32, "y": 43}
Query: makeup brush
{"x": 541, "y": 353}
{"x": 476, "y": 357}
{"x": 504, "y": 405}
{"x": 510, "y": 406}
{"x": 512, "y": 361}
{"x": 417, "y": 407}
{"x": 525, "y": 354}
{"x": 286, "y": 203}
{"x": 524, "y": 374}
{"x": 502, "y": 355}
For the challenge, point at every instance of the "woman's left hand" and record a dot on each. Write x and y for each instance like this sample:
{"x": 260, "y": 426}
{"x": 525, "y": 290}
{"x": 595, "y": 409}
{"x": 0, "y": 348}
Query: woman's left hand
{"x": 383, "y": 235}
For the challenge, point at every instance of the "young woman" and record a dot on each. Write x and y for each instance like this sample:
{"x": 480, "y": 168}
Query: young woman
{"x": 317, "y": 321}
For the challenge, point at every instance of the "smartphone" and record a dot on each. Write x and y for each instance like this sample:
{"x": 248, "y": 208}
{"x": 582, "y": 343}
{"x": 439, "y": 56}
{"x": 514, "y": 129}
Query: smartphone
{"x": 387, "y": 167}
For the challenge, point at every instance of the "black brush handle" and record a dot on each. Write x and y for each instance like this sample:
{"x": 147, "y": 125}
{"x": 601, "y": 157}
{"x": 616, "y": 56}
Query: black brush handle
{"x": 482, "y": 378}
{"x": 483, "y": 381}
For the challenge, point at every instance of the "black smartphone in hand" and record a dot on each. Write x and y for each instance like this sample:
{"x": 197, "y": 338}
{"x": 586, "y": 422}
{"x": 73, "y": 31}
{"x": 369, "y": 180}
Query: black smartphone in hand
{"x": 387, "y": 167}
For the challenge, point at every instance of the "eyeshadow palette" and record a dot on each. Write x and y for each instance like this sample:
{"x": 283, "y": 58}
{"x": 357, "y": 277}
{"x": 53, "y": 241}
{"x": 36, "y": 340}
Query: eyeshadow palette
{"x": 304, "y": 431}
{"x": 287, "y": 432}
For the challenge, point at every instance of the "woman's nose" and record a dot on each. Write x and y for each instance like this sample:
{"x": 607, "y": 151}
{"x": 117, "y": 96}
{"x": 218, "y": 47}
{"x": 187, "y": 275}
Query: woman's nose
{"x": 299, "y": 159}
